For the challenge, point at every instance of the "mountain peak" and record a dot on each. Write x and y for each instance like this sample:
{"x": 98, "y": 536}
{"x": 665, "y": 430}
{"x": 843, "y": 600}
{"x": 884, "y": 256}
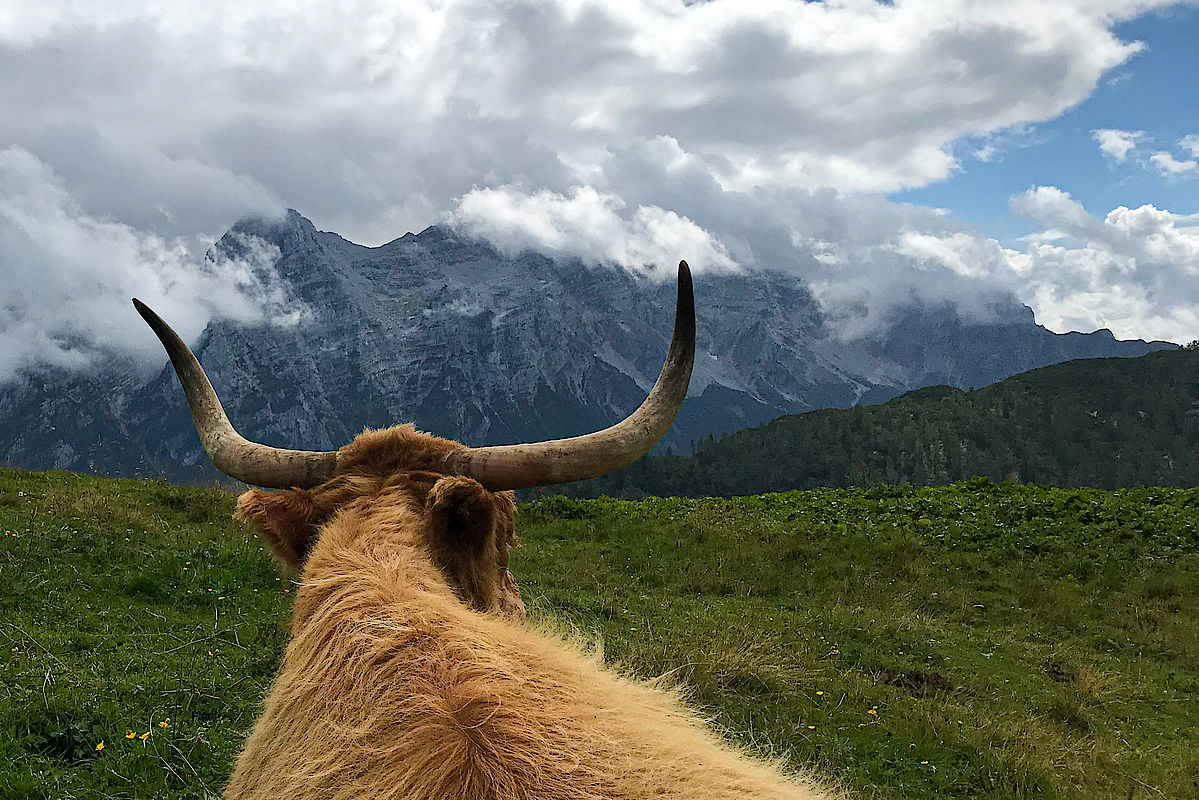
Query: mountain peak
{"x": 291, "y": 225}
{"x": 292, "y": 233}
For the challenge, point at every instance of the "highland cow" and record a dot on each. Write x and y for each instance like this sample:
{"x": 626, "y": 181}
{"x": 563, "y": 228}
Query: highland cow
{"x": 411, "y": 672}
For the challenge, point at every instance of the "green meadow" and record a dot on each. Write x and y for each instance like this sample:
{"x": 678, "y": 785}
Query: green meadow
{"x": 977, "y": 640}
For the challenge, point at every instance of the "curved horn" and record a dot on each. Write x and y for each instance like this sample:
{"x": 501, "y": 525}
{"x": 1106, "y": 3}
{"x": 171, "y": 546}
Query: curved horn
{"x": 232, "y": 454}
{"x": 519, "y": 466}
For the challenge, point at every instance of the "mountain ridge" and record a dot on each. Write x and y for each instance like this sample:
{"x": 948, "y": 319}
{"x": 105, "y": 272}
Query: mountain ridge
{"x": 469, "y": 343}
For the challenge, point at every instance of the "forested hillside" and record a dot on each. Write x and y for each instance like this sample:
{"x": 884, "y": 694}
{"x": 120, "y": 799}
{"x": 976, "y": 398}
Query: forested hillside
{"x": 1105, "y": 423}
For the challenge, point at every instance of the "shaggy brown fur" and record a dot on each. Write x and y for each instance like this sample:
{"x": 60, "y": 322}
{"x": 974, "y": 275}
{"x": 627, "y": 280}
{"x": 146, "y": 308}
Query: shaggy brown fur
{"x": 411, "y": 673}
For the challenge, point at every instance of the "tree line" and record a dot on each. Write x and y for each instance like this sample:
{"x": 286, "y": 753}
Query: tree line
{"x": 1104, "y": 423}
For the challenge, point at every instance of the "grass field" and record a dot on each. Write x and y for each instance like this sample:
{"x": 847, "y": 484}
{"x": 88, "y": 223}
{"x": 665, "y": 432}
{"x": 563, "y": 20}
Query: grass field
{"x": 977, "y": 640}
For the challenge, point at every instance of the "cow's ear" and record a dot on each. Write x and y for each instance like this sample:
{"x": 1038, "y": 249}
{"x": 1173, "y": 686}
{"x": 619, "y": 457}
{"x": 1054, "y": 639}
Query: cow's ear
{"x": 288, "y": 520}
{"x": 465, "y": 522}
{"x": 461, "y": 514}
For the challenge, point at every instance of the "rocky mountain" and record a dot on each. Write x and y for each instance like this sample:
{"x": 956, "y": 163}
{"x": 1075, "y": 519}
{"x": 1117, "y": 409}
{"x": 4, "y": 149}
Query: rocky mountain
{"x": 466, "y": 342}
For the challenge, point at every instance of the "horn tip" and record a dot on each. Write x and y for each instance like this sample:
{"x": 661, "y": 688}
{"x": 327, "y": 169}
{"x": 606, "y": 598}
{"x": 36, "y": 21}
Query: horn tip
{"x": 143, "y": 309}
{"x": 685, "y": 291}
{"x": 684, "y": 273}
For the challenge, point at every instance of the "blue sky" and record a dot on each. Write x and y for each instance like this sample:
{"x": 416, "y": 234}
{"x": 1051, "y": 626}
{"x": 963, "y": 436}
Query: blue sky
{"x": 1155, "y": 91}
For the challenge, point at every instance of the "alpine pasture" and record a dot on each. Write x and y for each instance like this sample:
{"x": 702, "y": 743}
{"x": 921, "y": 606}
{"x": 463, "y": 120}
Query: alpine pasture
{"x": 975, "y": 640}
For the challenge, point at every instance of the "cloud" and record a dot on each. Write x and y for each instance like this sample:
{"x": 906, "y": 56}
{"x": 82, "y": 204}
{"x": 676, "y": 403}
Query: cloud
{"x": 1117, "y": 144}
{"x": 1167, "y": 165}
{"x": 69, "y": 278}
{"x": 221, "y": 108}
{"x": 751, "y": 134}
{"x": 589, "y": 226}
{"x": 964, "y": 254}
{"x": 986, "y": 153}
{"x": 1136, "y": 271}
{"x": 930, "y": 268}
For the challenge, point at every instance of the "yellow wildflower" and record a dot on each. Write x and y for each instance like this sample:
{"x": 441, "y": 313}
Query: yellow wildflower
{"x": 145, "y": 736}
{"x": 101, "y": 745}
{"x": 129, "y": 734}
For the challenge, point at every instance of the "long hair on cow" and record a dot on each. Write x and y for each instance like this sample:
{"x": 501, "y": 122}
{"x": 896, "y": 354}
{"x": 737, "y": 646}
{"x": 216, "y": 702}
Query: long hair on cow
{"x": 411, "y": 671}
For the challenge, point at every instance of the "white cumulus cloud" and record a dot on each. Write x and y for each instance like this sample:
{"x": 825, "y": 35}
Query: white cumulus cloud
{"x": 593, "y": 227}
{"x": 202, "y": 111}
{"x": 1117, "y": 144}
{"x": 1167, "y": 164}
{"x": 1135, "y": 271}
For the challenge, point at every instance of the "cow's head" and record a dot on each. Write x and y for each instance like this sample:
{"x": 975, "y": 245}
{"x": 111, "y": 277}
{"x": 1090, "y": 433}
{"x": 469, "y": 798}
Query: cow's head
{"x": 390, "y": 498}
{"x": 448, "y": 503}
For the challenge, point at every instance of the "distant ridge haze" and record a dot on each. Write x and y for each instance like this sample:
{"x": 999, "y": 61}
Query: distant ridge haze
{"x": 448, "y": 333}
